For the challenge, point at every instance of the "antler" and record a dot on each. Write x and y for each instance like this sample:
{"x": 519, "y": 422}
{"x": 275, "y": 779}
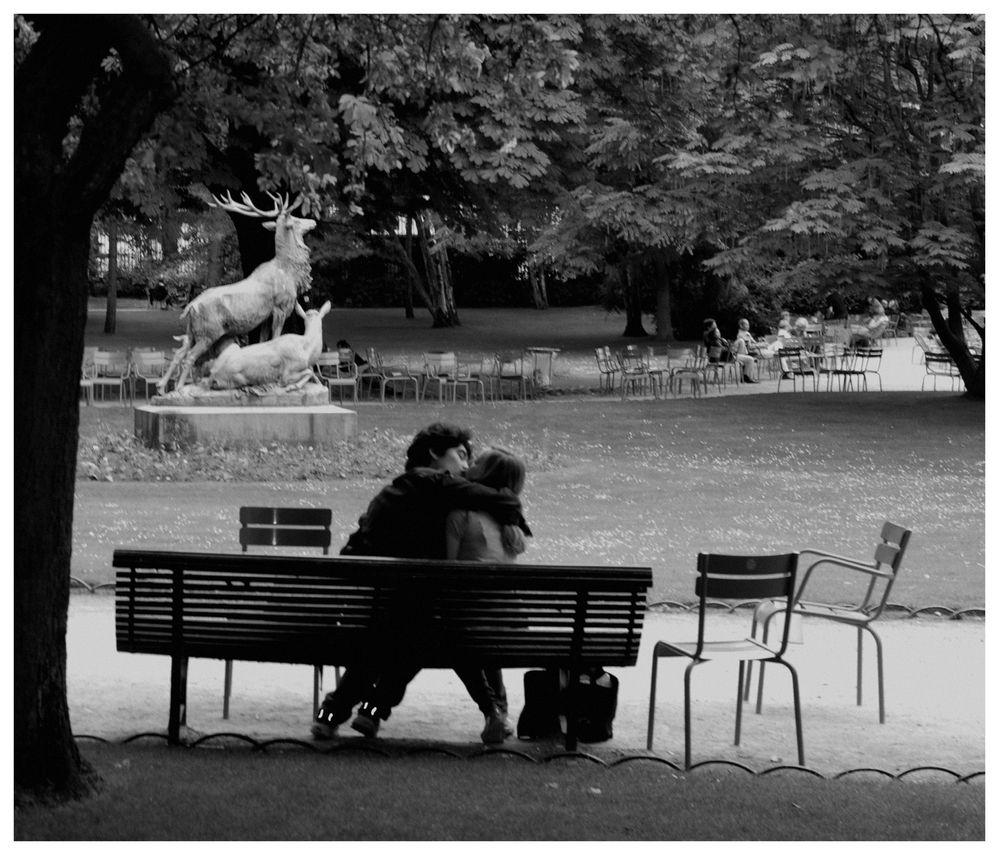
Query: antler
{"x": 248, "y": 209}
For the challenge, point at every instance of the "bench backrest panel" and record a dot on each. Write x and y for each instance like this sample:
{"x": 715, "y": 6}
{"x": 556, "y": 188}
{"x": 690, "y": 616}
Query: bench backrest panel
{"x": 291, "y": 609}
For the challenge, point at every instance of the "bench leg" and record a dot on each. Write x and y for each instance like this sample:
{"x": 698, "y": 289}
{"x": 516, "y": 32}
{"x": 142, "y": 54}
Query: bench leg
{"x": 178, "y": 698}
{"x": 571, "y": 723}
{"x": 227, "y": 689}
{"x": 317, "y": 688}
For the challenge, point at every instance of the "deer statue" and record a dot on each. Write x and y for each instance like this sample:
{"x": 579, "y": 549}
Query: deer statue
{"x": 286, "y": 360}
{"x": 270, "y": 292}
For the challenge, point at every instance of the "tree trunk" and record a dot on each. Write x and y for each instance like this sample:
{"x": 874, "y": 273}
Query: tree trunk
{"x": 972, "y": 370}
{"x": 414, "y": 274}
{"x": 55, "y": 199}
{"x": 407, "y": 291}
{"x": 631, "y": 291}
{"x": 111, "y": 311}
{"x": 539, "y": 288}
{"x": 438, "y": 274}
{"x": 664, "y": 298}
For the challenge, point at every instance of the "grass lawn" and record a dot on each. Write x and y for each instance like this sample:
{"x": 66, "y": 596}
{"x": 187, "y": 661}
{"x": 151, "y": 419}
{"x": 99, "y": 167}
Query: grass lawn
{"x": 635, "y": 482}
{"x": 155, "y": 793}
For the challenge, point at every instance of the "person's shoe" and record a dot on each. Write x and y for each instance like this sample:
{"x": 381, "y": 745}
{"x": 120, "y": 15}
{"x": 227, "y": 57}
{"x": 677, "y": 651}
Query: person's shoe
{"x": 323, "y": 732}
{"x": 495, "y": 731}
{"x": 366, "y": 725}
{"x": 747, "y": 380}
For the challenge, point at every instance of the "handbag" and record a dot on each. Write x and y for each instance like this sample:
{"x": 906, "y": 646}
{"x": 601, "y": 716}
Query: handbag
{"x": 545, "y": 700}
{"x": 539, "y": 719}
{"x": 596, "y": 705}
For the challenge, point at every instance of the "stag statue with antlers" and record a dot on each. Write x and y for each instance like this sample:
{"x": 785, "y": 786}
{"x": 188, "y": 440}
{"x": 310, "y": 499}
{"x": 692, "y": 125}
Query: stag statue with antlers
{"x": 270, "y": 292}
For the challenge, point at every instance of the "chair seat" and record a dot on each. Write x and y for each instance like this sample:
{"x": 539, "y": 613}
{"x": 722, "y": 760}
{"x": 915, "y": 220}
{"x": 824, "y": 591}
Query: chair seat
{"x": 745, "y": 648}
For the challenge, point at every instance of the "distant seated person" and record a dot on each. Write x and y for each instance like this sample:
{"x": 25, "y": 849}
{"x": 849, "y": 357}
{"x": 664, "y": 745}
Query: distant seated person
{"x": 864, "y": 335}
{"x": 719, "y": 350}
{"x": 745, "y": 342}
{"x": 784, "y": 331}
{"x": 348, "y": 355}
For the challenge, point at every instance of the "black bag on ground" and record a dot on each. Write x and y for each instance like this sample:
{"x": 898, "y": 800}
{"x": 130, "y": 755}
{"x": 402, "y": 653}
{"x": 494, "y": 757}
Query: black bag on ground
{"x": 596, "y": 705}
{"x": 539, "y": 719}
{"x": 545, "y": 699}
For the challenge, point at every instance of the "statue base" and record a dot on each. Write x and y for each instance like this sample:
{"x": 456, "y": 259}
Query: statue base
{"x": 196, "y": 395}
{"x": 244, "y": 424}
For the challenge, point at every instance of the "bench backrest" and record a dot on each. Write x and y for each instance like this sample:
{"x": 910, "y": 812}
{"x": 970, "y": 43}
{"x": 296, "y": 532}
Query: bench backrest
{"x": 261, "y": 526}
{"x": 336, "y": 610}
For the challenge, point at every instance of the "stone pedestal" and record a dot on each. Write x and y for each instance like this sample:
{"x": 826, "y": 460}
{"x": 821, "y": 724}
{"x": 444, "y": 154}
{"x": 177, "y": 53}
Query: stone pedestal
{"x": 234, "y": 426}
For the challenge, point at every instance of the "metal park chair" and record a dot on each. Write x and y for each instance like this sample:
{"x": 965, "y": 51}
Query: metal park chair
{"x": 736, "y": 577}
{"x": 879, "y": 575}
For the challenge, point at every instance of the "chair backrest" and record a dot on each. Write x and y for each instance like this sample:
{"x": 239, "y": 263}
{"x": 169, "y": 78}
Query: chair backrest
{"x": 632, "y": 359}
{"x": 111, "y": 363}
{"x": 604, "y": 361}
{"x": 869, "y": 358}
{"x": 512, "y": 365}
{"x": 439, "y": 363}
{"x": 148, "y": 363}
{"x": 744, "y": 577}
{"x": 88, "y": 368}
{"x": 940, "y": 363}
{"x": 888, "y": 555}
{"x": 489, "y": 366}
{"x": 261, "y": 526}
{"x": 331, "y": 367}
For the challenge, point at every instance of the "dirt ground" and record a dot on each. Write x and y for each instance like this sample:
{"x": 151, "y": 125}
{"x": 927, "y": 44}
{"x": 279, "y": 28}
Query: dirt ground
{"x": 935, "y": 697}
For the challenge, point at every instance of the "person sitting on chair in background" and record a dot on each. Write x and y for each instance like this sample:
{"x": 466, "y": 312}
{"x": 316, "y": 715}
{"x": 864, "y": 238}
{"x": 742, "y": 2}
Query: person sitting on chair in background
{"x": 753, "y": 347}
{"x": 348, "y": 354}
{"x": 407, "y": 520}
{"x": 864, "y": 335}
{"x": 478, "y": 536}
{"x": 719, "y": 351}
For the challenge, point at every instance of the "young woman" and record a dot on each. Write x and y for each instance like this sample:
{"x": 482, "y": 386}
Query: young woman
{"x": 478, "y": 536}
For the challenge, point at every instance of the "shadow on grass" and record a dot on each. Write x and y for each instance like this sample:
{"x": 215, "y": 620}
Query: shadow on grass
{"x": 160, "y": 793}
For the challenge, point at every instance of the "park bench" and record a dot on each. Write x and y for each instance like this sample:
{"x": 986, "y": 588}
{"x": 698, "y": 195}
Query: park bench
{"x": 334, "y": 611}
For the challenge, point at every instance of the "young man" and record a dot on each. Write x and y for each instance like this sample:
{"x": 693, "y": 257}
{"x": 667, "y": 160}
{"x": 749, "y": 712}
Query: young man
{"x": 407, "y": 520}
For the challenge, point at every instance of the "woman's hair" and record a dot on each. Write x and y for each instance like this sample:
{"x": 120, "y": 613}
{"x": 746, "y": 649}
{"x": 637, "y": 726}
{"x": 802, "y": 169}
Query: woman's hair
{"x": 499, "y": 468}
{"x": 436, "y": 438}
{"x": 708, "y": 323}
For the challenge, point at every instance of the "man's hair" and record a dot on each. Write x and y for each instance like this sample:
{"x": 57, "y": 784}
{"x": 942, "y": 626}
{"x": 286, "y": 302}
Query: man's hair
{"x": 708, "y": 322}
{"x": 498, "y": 468}
{"x": 436, "y": 438}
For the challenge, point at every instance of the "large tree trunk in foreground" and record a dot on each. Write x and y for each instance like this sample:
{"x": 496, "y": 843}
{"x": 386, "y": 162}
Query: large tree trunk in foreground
{"x": 55, "y": 199}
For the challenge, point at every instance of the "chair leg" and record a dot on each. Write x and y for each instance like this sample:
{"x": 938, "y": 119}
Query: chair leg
{"x": 860, "y": 666}
{"x": 759, "y": 684}
{"x": 686, "y": 714}
{"x": 799, "y": 731}
{"x": 738, "y": 701}
{"x": 881, "y": 670}
{"x": 227, "y": 688}
{"x": 652, "y": 702}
